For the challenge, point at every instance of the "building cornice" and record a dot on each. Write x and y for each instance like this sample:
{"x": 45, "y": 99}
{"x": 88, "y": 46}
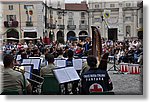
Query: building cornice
{"x": 21, "y": 2}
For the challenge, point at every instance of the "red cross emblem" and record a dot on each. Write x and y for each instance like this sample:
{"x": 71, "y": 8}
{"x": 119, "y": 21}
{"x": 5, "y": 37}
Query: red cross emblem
{"x": 95, "y": 88}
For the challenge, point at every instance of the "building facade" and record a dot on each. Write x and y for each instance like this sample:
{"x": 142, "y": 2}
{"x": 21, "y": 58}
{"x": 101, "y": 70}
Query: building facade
{"x": 57, "y": 20}
{"x": 22, "y": 19}
{"x": 121, "y": 16}
{"x": 67, "y": 21}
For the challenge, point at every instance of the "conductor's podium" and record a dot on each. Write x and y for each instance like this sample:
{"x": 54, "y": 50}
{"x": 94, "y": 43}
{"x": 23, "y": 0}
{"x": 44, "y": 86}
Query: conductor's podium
{"x": 50, "y": 86}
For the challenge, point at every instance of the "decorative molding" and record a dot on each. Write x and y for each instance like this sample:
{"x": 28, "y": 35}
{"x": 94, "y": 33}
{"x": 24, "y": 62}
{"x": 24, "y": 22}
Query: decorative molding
{"x": 113, "y": 20}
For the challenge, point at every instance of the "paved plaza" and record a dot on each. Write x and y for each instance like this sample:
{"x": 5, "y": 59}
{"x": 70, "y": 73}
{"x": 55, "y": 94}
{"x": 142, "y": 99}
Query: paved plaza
{"x": 126, "y": 84}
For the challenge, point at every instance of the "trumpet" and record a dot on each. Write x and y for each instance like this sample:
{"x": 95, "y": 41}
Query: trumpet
{"x": 22, "y": 70}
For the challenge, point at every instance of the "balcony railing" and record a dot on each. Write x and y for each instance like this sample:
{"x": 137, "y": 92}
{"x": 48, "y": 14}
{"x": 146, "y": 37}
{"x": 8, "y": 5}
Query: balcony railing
{"x": 83, "y": 27}
{"x": 8, "y": 24}
{"x": 62, "y": 27}
{"x": 29, "y": 24}
{"x": 51, "y": 26}
{"x": 71, "y": 27}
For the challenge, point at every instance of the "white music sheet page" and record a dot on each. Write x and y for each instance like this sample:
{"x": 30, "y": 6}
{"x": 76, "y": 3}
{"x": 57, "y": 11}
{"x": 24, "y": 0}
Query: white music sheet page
{"x": 26, "y": 61}
{"x": 72, "y": 73}
{"x": 27, "y": 69}
{"x": 36, "y": 63}
{"x": 37, "y": 57}
{"x": 77, "y": 64}
{"x": 61, "y": 63}
{"x": 18, "y": 57}
{"x": 61, "y": 75}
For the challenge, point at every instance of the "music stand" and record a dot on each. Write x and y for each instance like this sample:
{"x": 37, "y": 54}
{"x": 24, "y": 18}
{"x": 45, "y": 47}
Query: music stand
{"x": 114, "y": 67}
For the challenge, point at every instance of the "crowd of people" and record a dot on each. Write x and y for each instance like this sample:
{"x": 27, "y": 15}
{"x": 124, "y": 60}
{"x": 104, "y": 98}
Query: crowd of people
{"x": 127, "y": 51}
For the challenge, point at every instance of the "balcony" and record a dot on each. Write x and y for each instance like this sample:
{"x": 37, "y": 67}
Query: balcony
{"x": 29, "y": 24}
{"x": 62, "y": 27}
{"x": 71, "y": 27}
{"x": 8, "y": 24}
{"x": 51, "y": 26}
{"x": 83, "y": 27}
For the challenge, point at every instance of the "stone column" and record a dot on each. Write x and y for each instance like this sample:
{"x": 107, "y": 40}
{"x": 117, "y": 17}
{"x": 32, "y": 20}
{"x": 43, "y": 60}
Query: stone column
{"x": 120, "y": 23}
{"x": 135, "y": 23}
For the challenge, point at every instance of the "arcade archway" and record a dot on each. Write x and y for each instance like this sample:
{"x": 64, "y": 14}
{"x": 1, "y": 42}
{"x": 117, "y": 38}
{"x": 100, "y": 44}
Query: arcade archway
{"x": 70, "y": 35}
{"x": 83, "y": 35}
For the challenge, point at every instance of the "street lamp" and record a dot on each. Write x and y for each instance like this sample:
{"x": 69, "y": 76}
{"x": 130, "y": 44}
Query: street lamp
{"x": 62, "y": 12}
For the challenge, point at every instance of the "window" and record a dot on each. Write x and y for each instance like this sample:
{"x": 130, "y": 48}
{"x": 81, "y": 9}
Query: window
{"x": 83, "y": 22}
{"x": 11, "y": 17}
{"x": 128, "y": 31}
{"x": 70, "y": 14}
{"x": 128, "y": 4}
{"x": 27, "y": 7}
{"x": 58, "y": 4}
{"x": 141, "y": 20}
{"x": 82, "y": 14}
{"x": 128, "y": 18}
{"x": 10, "y": 7}
{"x": 97, "y": 6}
{"x": 112, "y": 5}
{"x": 70, "y": 22}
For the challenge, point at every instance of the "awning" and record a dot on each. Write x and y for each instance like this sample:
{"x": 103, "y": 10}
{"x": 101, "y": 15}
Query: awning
{"x": 29, "y": 30}
{"x": 27, "y": 38}
{"x": 11, "y": 38}
{"x": 33, "y": 29}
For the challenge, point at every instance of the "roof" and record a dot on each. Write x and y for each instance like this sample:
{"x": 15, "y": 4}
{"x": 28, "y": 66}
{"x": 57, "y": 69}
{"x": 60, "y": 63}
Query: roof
{"x": 18, "y": 0}
{"x": 7, "y": 1}
{"x": 76, "y": 6}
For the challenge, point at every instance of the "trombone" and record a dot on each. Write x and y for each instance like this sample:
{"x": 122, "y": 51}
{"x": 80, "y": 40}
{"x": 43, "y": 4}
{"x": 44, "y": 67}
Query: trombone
{"x": 21, "y": 68}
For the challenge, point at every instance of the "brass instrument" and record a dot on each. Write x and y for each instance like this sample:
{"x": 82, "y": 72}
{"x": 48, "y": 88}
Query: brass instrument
{"x": 22, "y": 70}
{"x": 96, "y": 43}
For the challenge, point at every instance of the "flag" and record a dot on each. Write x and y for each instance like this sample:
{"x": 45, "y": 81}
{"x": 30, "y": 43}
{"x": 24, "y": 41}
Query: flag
{"x": 107, "y": 13}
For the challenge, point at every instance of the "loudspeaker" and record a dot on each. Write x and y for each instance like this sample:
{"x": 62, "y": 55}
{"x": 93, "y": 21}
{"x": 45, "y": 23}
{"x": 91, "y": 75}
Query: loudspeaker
{"x": 112, "y": 34}
{"x": 140, "y": 34}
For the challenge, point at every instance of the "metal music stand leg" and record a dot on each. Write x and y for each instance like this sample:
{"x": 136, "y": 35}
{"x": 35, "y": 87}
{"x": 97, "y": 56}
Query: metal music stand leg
{"x": 114, "y": 67}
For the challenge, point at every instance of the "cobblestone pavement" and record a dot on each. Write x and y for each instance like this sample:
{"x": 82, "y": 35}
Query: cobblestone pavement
{"x": 126, "y": 84}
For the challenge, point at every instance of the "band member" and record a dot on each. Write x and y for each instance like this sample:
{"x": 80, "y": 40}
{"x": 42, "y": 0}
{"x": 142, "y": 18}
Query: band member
{"x": 95, "y": 79}
{"x": 47, "y": 70}
{"x": 14, "y": 80}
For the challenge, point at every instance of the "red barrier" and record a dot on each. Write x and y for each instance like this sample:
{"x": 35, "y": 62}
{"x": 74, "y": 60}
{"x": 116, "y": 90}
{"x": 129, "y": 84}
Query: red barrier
{"x": 124, "y": 67}
{"x": 134, "y": 69}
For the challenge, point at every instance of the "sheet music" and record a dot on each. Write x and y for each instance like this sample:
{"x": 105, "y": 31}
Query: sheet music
{"x": 26, "y": 61}
{"x": 36, "y": 63}
{"x": 18, "y": 57}
{"x": 1, "y": 63}
{"x": 77, "y": 63}
{"x": 55, "y": 62}
{"x": 84, "y": 59}
{"x": 72, "y": 73}
{"x": 27, "y": 69}
{"x": 61, "y": 63}
{"x": 61, "y": 75}
{"x": 42, "y": 59}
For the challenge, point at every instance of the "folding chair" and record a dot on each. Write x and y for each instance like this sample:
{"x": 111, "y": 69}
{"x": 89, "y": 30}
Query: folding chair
{"x": 10, "y": 92}
{"x": 50, "y": 86}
